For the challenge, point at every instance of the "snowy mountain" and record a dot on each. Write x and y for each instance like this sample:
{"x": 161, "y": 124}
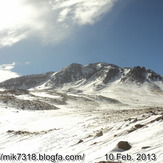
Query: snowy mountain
{"x": 141, "y": 74}
{"x": 96, "y": 113}
{"x": 26, "y": 82}
{"x": 98, "y": 75}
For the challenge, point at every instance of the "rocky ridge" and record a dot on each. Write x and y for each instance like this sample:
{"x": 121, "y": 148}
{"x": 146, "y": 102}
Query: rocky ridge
{"x": 99, "y": 74}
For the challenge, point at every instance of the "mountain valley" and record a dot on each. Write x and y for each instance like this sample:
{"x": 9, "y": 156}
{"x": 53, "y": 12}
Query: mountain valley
{"x": 84, "y": 110}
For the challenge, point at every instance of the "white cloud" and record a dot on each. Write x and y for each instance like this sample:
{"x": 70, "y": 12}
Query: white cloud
{"x": 6, "y": 72}
{"x": 48, "y": 20}
{"x": 27, "y": 63}
{"x": 83, "y": 11}
{"x": 7, "y": 66}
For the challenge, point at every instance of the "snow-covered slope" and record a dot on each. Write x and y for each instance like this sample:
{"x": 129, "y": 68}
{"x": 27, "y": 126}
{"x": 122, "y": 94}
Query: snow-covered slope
{"x": 87, "y": 125}
{"x": 84, "y": 112}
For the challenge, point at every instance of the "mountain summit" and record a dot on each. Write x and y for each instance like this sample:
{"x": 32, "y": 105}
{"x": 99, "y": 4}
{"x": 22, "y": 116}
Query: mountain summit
{"x": 97, "y": 75}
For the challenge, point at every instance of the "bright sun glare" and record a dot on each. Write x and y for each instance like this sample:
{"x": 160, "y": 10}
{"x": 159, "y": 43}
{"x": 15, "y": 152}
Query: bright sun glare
{"x": 13, "y": 12}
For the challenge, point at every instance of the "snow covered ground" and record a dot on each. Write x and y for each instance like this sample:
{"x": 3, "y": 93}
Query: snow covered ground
{"x": 87, "y": 124}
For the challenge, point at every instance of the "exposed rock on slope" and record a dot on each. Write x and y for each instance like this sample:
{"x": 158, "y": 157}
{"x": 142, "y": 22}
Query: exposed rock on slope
{"x": 97, "y": 74}
{"x": 26, "y": 104}
{"x": 26, "y": 82}
{"x": 141, "y": 74}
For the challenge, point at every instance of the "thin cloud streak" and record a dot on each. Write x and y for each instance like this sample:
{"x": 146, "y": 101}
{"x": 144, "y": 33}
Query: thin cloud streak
{"x": 47, "y": 20}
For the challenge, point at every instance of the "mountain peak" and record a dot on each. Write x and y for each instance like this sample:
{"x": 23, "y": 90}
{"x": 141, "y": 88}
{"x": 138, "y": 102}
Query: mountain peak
{"x": 94, "y": 74}
{"x": 140, "y": 75}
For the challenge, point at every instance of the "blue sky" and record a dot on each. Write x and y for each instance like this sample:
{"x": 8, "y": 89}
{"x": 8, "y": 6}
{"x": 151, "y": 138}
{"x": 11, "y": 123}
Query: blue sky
{"x": 40, "y": 37}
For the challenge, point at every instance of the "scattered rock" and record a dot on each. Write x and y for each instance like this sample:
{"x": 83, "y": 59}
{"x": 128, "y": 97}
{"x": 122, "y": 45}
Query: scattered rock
{"x": 94, "y": 143}
{"x": 139, "y": 126}
{"x": 124, "y": 145}
{"x": 135, "y": 120}
{"x": 129, "y": 119}
{"x": 26, "y": 104}
{"x": 108, "y": 162}
{"x": 131, "y": 130}
{"x": 145, "y": 147}
{"x": 157, "y": 119}
{"x": 132, "y": 120}
{"x": 152, "y": 112}
{"x": 89, "y": 136}
{"x": 21, "y": 132}
{"x": 80, "y": 141}
{"x": 99, "y": 134}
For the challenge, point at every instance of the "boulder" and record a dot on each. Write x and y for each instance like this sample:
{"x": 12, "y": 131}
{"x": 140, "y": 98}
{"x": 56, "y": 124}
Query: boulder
{"x": 124, "y": 145}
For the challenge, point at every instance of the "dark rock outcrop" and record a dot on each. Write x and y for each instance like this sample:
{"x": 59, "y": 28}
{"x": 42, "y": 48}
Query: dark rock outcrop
{"x": 26, "y": 104}
{"x": 140, "y": 75}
